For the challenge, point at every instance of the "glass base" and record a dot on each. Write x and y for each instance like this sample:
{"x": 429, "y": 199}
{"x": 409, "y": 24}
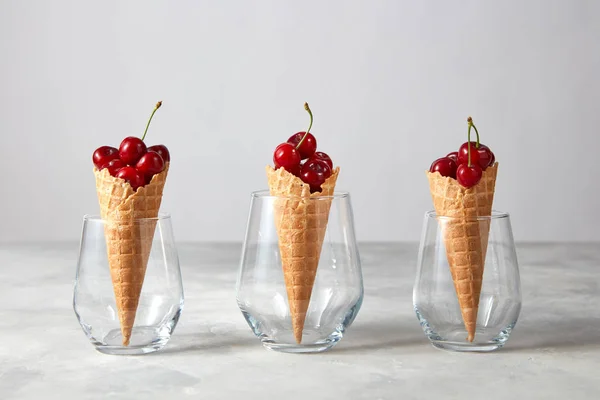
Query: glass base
{"x": 453, "y": 336}
{"x": 301, "y": 348}
{"x": 128, "y": 350}
{"x": 143, "y": 340}
{"x": 466, "y": 347}
{"x": 313, "y": 340}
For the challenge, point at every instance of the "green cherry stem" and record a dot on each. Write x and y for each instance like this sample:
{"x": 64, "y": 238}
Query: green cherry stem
{"x": 471, "y": 124}
{"x": 307, "y": 108}
{"x": 151, "y": 115}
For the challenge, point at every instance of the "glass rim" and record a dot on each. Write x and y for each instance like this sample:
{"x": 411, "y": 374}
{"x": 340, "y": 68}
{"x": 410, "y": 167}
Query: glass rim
{"x": 97, "y": 218}
{"x": 495, "y": 215}
{"x": 266, "y": 194}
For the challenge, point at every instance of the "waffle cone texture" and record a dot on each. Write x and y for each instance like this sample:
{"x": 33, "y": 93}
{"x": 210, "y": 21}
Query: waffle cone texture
{"x": 128, "y": 241}
{"x": 301, "y": 221}
{"x": 465, "y": 237}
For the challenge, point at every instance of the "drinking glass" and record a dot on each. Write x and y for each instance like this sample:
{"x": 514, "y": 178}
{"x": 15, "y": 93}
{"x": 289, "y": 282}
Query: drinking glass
{"x": 337, "y": 293}
{"x": 435, "y": 297}
{"x": 161, "y": 300}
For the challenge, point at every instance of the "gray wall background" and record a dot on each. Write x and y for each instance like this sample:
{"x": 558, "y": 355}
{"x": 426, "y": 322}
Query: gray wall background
{"x": 390, "y": 84}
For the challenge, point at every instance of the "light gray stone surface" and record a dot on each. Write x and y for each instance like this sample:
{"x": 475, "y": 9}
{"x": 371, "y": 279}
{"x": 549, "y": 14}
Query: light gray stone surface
{"x": 554, "y": 352}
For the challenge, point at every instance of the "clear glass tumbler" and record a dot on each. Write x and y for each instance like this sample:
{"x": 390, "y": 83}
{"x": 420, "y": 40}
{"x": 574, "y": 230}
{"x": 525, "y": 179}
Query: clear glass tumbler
{"x": 325, "y": 242}
{"x": 449, "y": 267}
{"x": 110, "y": 270}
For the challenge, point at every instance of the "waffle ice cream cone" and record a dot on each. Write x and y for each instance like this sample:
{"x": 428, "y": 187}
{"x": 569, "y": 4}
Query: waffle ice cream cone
{"x": 301, "y": 226}
{"x": 465, "y": 237}
{"x": 128, "y": 242}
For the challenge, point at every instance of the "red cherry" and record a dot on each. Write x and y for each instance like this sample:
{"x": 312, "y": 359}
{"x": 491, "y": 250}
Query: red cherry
{"x": 453, "y": 156}
{"x": 323, "y": 156}
{"x": 314, "y": 173}
{"x": 468, "y": 176}
{"x": 445, "y": 166}
{"x": 104, "y": 154}
{"x": 131, "y": 175}
{"x": 463, "y": 154}
{"x": 286, "y": 156}
{"x": 485, "y": 156}
{"x": 308, "y": 146}
{"x": 150, "y": 164}
{"x": 131, "y": 150}
{"x": 325, "y": 164}
{"x": 296, "y": 170}
{"x": 162, "y": 150}
{"x": 493, "y": 159}
{"x": 114, "y": 166}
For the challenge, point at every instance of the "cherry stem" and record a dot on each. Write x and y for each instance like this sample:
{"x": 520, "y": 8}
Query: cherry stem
{"x": 307, "y": 108}
{"x": 151, "y": 115}
{"x": 471, "y": 125}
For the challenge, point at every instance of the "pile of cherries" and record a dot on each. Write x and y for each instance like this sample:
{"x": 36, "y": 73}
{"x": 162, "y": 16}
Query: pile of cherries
{"x": 468, "y": 163}
{"x": 299, "y": 156}
{"x": 133, "y": 161}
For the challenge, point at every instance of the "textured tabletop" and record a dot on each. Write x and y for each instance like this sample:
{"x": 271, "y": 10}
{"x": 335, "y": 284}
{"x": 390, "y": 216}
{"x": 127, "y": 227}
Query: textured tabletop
{"x": 554, "y": 352}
